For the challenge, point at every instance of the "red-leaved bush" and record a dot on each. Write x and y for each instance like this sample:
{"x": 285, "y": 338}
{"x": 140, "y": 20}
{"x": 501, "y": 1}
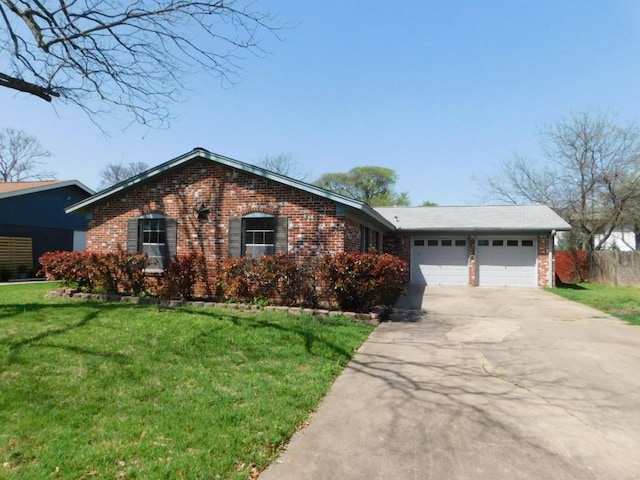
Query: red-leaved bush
{"x": 353, "y": 281}
{"x": 361, "y": 281}
{"x": 105, "y": 272}
{"x": 71, "y": 268}
{"x": 275, "y": 278}
{"x": 181, "y": 276}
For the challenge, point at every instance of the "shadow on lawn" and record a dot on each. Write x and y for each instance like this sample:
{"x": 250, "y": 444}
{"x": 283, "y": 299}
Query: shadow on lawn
{"x": 258, "y": 320}
{"x": 10, "y": 311}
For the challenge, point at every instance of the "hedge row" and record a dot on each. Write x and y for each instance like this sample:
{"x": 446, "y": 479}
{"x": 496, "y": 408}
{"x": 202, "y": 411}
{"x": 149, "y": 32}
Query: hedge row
{"x": 350, "y": 281}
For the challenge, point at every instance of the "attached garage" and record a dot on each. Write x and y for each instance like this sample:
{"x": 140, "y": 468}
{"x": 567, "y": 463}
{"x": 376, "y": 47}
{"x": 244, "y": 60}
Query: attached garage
{"x": 440, "y": 261}
{"x": 498, "y": 246}
{"x": 507, "y": 262}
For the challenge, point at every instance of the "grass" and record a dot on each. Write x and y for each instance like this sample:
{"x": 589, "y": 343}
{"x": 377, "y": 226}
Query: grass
{"x": 621, "y": 302}
{"x": 108, "y": 390}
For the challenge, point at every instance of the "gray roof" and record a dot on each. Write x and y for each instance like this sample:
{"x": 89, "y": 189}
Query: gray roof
{"x": 356, "y": 205}
{"x": 475, "y": 218}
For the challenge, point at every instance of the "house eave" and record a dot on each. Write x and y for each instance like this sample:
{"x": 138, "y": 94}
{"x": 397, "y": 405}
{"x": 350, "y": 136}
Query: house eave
{"x": 44, "y": 188}
{"x": 481, "y": 230}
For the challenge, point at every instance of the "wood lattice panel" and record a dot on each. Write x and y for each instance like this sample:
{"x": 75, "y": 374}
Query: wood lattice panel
{"x": 16, "y": 252}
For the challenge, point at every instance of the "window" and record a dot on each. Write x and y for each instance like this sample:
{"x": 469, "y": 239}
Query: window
{"x": 483, "y": 243}
{"x": 446, "y": 243}
{"x": 369, "y": 239}
{"x": 498, "y": 243}
{"x": 418, "y": 243}
{"x": 432, "y": 243}
{"x": 527, "y": 243}
{"x": 258, "y": 236}
{"x": 461, "y": 243}
{"x": 154, "y": 235}
{"x": 512, "y": 243}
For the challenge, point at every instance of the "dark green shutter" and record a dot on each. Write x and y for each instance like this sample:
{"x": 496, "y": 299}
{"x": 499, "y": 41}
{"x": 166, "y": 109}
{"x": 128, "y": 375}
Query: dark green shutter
{"x": 132, "y": 236}
{"x": 172, "y": 237}
{"x": 235, "y": 237}
{"x": 282, "y": 234}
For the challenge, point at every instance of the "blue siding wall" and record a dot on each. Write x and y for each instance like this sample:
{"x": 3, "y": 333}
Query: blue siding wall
{"x": 44, "y": 209}
{"x": 43, "y": 239}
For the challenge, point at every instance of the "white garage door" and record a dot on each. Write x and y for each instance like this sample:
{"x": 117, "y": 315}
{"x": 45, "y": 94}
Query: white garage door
{"x": 439, "y": 261}
{"x": 507, "y": 262}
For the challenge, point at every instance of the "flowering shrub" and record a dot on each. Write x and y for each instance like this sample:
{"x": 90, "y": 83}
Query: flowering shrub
{"x": 360, "y": 282}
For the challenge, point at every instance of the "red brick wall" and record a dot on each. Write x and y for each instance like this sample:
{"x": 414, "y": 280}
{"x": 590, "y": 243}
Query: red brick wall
{"x": 473, "y": 266}
{"x": 352, "y": 236}
{"x": 400, "y": 246}
{"x": 227, "y": 192}
{"x": 543, "y": 261}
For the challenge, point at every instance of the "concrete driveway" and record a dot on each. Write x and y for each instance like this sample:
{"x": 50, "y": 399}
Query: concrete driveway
{"x": 486, "y": 384}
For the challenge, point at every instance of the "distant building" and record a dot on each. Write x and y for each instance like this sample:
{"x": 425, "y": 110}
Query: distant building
{"x": 33, "y": 221}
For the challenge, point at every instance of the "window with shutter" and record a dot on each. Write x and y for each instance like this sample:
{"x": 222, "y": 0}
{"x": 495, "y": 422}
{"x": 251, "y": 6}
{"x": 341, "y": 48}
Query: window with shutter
{"x": 258, "y": 234}
{"x": 154, "y": 235}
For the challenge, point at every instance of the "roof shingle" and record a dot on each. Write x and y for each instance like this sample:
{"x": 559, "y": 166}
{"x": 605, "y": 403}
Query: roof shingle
{"x": 475, "y": 218}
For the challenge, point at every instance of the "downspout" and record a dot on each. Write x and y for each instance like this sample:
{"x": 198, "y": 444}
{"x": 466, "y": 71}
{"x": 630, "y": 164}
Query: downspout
{"x": 552, "y": 259}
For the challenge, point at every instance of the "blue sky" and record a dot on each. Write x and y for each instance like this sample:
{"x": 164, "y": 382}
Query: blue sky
{"x": 440, "y": 91}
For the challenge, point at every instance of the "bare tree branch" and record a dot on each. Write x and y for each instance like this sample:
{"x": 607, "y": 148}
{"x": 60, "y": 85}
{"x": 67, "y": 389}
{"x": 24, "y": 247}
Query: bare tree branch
{"x": 126, "y": 54}
{"x": 591, "y": 176}
{"x": 118, "y": 172}
{"x": 20, "y": 156}
{"x": 284, "y": 164}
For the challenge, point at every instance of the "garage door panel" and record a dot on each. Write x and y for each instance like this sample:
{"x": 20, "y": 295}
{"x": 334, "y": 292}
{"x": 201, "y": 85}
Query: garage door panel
{"x": 440, "y": 262}
{"x": 507, "y": 262}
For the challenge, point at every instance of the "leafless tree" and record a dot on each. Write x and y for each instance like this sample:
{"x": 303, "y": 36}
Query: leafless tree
{"x": 128, "y": 54}
{"x": 118, "y": 172}
{"x": 591, "y": 176}
{"x": 284, "y": 164}
{"x": 20, "y": 156}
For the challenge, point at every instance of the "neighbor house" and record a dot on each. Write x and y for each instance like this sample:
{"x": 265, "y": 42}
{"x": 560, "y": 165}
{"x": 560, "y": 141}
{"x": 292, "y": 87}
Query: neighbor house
{"x": 623, "y": 238}
{"x": 219, "y": 207}
{"x": 33, "y": 221}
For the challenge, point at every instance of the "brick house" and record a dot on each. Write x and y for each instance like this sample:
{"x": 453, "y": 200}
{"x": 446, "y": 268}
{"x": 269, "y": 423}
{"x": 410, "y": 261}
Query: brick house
{"x": 219, "y": 207}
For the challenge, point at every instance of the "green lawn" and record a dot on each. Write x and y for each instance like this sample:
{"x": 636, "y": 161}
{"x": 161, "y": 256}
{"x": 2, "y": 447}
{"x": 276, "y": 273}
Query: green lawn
{"x": 107, "y": 390}
{"x": 621, "y": 302}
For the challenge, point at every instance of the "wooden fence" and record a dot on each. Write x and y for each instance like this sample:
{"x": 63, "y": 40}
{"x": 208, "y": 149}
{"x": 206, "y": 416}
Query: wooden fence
{"x": 614, "y": 268}
{"x": 16, "y": 254}
{"x": 609, "y": 267}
